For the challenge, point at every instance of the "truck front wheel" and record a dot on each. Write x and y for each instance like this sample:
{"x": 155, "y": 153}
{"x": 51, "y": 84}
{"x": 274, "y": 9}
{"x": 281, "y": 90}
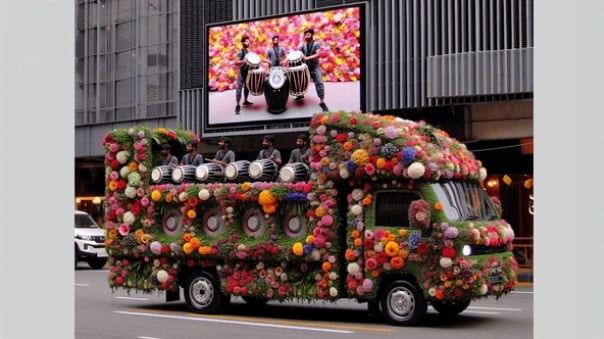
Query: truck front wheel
{"x": 202, "y": 293}
{"x": 402, "y": 303}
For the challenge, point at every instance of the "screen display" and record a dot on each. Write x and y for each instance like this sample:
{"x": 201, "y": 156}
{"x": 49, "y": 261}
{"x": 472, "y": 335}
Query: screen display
{"x": 285, "y": 68}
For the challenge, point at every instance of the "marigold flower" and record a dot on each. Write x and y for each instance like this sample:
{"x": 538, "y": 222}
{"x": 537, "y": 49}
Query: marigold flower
{"x": 392, "y": 249}
{"x": 438, "y": 206}
{"x": 168, "y": 197}
{"x": 403, "y": 253}
{"x": 204, "y": 250}
{"x": 145, "y": 238}
{"x": 155, "y": 195}
{"x": 324, "y": 120}
{"x": 112, "y": 233}
{"x": 195, "y": 242}
{"x": 133, "y": 166}
{"x": 326, "y": 266}
{"x": 397, "y": 262}
{"x": 360, "y": 157}
{"x": 402, "y": 232}
{"x": 355, "y": 234}
{"x": 186, "y": 237}
{"x": 358, "y": 242}
{"x": 191, "y": 214}
{"x": 298, "y": 249}
{"x": 375, "y": 273}
{"x": 380, "y": 163}
{"x": 347, "y": 146}
{"x": 112, "y": 185}
{"x": 246, "y": 186}
{"x": 320, "y": 211}
{"x": 269, "y": 209}
{"x": 349, "y": 254}
{"x": 187, "y": 248}
{"x": 310, "y": 239}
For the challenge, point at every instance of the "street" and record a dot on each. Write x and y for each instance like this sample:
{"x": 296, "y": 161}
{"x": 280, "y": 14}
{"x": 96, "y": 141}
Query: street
{"x": 101, "y": 313}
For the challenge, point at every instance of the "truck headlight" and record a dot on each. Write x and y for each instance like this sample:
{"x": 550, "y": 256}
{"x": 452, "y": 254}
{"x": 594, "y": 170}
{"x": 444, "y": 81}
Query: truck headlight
{"x": 466, "y": 250}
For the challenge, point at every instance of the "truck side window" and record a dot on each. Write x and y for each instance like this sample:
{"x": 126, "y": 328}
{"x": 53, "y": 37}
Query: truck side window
{"x": 392, "y": 208}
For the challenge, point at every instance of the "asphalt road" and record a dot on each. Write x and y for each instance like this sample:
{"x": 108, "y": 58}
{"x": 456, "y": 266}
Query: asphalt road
{"x": 101, "y": 313}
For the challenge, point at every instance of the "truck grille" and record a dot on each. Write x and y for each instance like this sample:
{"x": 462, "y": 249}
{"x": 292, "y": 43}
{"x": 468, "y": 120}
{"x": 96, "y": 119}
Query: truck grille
{"x": 481, "y": 249}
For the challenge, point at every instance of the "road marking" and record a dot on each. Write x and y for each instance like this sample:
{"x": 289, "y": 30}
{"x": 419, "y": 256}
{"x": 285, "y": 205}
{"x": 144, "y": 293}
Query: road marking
{"x": 83, "y": 285}
{"x": 496, "y": 308}
{"x": 147, "y": 338}
{"x": 224, "y": 321}
{"x": 522, "y": 292}
{"x": 481, "y": 312}
{"x": 131, "y": 298}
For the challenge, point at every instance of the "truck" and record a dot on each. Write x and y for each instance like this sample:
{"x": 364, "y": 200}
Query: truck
{"x": 389, "y": 212}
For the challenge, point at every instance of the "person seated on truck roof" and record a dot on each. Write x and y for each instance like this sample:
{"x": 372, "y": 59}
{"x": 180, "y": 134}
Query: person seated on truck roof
{"x": 167, "y": 158}
{"x": 269, "y": 151}
{"x": 301, "y": 153}
{"x": 192, "y": 157}
{"x": 224, "y": 155}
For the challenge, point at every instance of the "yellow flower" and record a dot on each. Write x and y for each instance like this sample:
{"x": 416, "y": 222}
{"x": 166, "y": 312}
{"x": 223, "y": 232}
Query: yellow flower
{"x": 319, "y": 212}
{"x": 133, "y": 166}
{"x": 246, "y": 186}
{"x": 360, "y": 157}
{"x": 403, "y": 253}
{"x": 187, "y": 248}
{"x": 191, "y": 214}
{"x": 155, "y": 195}
{"x": 325, "y": 161}
{"x": 402, "y": 232}
{"x": 380, "y": 163}
{"x": 112, "y": 185}
{"x": 324, "y": 120}
{"x": 310, "y": 239}
{"x": 298, "y": 249}
{"x": 447, "y": 284}
{"x": 138, "y": 235}
{"x": 266, "y": 198}
{"x": 204, "y": 250}
{"x": 145, "y": 238}
{"x": 392, "y": 248}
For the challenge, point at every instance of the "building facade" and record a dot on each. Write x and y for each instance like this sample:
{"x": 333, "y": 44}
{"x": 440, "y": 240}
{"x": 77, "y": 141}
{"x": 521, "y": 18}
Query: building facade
{"x": 463, "y": 65}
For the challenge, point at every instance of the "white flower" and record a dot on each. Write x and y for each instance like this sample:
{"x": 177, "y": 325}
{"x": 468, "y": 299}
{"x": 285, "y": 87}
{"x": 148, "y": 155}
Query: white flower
{"x": 315, "y": 255}
{"x": 416, "y": 170}
{"x": 283, "y": 276}
{"x": 445, "y": 262}
{"x": 142, "y": 168}
{"x": 229, "y": 209}
{"x": 183, "y": 196}
{"x": 353, "y": 268}
{"x": 344, "y": 174}
{"x": 204, "y": 194}
{"x": 124, "y": 171}
{"x": 260, "y": 266}
{"x": 333, "y": 292}
{"x": 130, "y": 192}
{"x": 483, "y": 173}
{"x": 129, "y": 218}
{"x": 162, "y": 276}
{"x": 241, "y": 247}
{"x": 333, "y": 276}
{"x": 122, "y": 156}
{"x": 357, "y": 194}
{"x": 356, "y": 209}
{"x": 378, "y": 247}
{"x": 432, "y": 291}
{"x": 483, "y": 289}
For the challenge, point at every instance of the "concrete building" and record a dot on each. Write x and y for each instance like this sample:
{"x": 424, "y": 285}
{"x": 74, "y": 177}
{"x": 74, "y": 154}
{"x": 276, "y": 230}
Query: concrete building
{"x": 463, "y": 65}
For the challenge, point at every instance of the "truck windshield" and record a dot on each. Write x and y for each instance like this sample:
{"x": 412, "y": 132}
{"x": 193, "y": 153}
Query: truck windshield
{"x": 84, "y": 221}
{"x": 464, "y": 201}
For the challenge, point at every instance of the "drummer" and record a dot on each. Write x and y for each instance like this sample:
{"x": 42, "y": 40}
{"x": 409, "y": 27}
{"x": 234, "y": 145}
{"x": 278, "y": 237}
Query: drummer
{"x": 167, "y": 158}
{"x": 301, "y": 153}
{"x": 276, "y": 54}
{"x": 311, "y": 49}
{"x": 243, "y": 69}
{"x": 224, "y": 155}
{"x": 269, "y": 151}
{"x": 192, "y": 157}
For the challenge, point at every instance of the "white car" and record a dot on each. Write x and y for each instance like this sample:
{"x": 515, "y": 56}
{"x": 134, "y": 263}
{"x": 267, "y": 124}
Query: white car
{"x": 89, "y": 241}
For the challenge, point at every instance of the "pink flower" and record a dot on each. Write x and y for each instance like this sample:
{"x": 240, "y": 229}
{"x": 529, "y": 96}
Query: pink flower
{"x": 124, "y": 229}
{"x": 114, "y": 147}
{"x": 327, "y": 220}
{"x": 367, "y": 285}
{"x": 379, "y": 234}
{"x": 370, "y": 169}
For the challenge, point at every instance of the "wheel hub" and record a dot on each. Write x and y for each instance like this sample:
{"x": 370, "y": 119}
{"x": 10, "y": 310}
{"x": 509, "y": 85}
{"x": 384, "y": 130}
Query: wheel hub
{"x": 202, "y": 292}
{"x": 401, "y": 302}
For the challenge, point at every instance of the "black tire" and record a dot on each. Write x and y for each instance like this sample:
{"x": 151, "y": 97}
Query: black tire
{"x": 97, "y": 263}
{"x": 76, "y": 256}
{"x": 402, "y": 303}
{"x": 202, "y": 293}
{"x": 448, "y": 308}
{"x": 254, "y": 301}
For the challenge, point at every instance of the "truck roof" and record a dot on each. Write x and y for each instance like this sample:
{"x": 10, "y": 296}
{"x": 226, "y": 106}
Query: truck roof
{"x": 360, "y": 145}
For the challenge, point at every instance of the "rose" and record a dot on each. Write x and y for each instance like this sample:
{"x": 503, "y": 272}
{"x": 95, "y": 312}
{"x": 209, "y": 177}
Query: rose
{"x": 445, "y": 262}
{"x": 130, "y": 191}
{"x": 356, "y": 209}
{"x": 155, "y": 247}
{"x": 162, "y": 276}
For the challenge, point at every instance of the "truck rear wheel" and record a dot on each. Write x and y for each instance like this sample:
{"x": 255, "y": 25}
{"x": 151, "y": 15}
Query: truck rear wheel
{"x": 97, "y": 263}
{"x": 402, "y": 303}
{"x": 448, "y": 308}
{"x": 202, "y": 293}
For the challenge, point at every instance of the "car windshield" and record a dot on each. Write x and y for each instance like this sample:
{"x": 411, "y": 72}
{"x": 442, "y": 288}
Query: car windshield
{"x": 84, "y": 221}
{"x": 464, "y": 201}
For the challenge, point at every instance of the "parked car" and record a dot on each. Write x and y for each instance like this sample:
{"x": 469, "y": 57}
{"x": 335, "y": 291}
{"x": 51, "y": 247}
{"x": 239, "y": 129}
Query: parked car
{"x": 89, "y": 241}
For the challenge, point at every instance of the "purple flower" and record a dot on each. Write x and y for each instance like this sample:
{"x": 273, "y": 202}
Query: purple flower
{"x": 408, "y": 155}
{"x": 351, "y": 165}
{"x": 413, "y": 241}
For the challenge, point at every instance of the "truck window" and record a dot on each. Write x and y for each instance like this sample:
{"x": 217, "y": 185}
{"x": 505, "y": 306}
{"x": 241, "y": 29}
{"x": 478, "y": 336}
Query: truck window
{"x": 464, "y": 201}
{"x": 392, "y": 208}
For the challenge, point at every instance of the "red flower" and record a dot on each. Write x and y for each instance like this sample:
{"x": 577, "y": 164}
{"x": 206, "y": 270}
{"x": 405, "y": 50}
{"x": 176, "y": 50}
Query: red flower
{"x": 341, "y": 137}
{"x": 114, "y": 164}
{"x": 449, "y": 252}
{"x": 165, "y": 249}
{"x": 422, "y": 248}
{"x": 172, "y": 135}
{"x": 308, "y": 187}
{"x": 381, "y": 258}
{"x": 121, "y": 184}
{"x": 369, "y": 244}
{"x": 353, "y": 121}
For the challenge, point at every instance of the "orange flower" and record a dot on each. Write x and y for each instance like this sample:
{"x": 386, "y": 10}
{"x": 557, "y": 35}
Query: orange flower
{"x": 392, "y": 249}
{"x": 193, "y": 201}
{"x": 318, "y": 147}
{"x": 380, "y": 163}
{"x": 347, "y": 146}
{"x": 320, "y": 211}
{"x": 397, "y": 262}
{"x": 402, "y": 232}
{"x": 326, "y": 266}
{"x": 191, "y": 214}
{"x": 112, "y": 234}
{"x": 438, "y": 206}
{"x": 187, "y": 248}
{"x": 246, "y": 186}
{"x": 155, "y": 195}
{"x": 324, "y": 120}
{"x": 133, "y": 166}
{"x": 403, "y": 253}
{"x": 367, "y": 200}
{"x": 168, "y": 197}
{"x": 394, "y": 160}
{"x": 269, "y": 209}
{"x": 186, "y": 237}
{"x": 358, "y": 242}
{"x": 349, "y": 255}
{"x": 195, "y": 242}
{"x": 112, "y": 185}
{"x": 310, "y": 239}
{"x": 204, "y": 250}
{"x": 108, "y": 242}
{"x": 355, "y": 234}
{"x": 298, "y": 249}
{"x": 375, "y": 273}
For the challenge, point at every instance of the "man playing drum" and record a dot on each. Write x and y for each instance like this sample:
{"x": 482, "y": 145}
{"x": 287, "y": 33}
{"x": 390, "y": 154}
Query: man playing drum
{"x": 301, "y": 153}
{"x": 192, "y": 157}
{"x": 243, "y": 69}
{"x": 224, "y": 155}
{"x": 268, "y": 150}
{"x": 276, "y": 54}
{"x": 311, "y": 48}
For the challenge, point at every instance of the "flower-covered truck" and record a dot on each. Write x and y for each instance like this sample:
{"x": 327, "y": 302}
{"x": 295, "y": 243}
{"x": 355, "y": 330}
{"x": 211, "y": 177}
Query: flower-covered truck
{"x": 389, "y": 211}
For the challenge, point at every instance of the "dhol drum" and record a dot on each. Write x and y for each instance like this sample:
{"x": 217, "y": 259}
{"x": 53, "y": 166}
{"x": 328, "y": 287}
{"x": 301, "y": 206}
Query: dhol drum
{"x": 264, "y": 170}
{"x": 294, "y": 58}
{"x": 209, "y": 172}
{"x": 276, "y": 90}
{"x": 255, "y": 81}
{"x": 184, "y": 173}
{"x": 238, "y": 171}
{"x": 161, "y": 174}
{"x": 297, "y": 171}
{"x": 252, "y": 60}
